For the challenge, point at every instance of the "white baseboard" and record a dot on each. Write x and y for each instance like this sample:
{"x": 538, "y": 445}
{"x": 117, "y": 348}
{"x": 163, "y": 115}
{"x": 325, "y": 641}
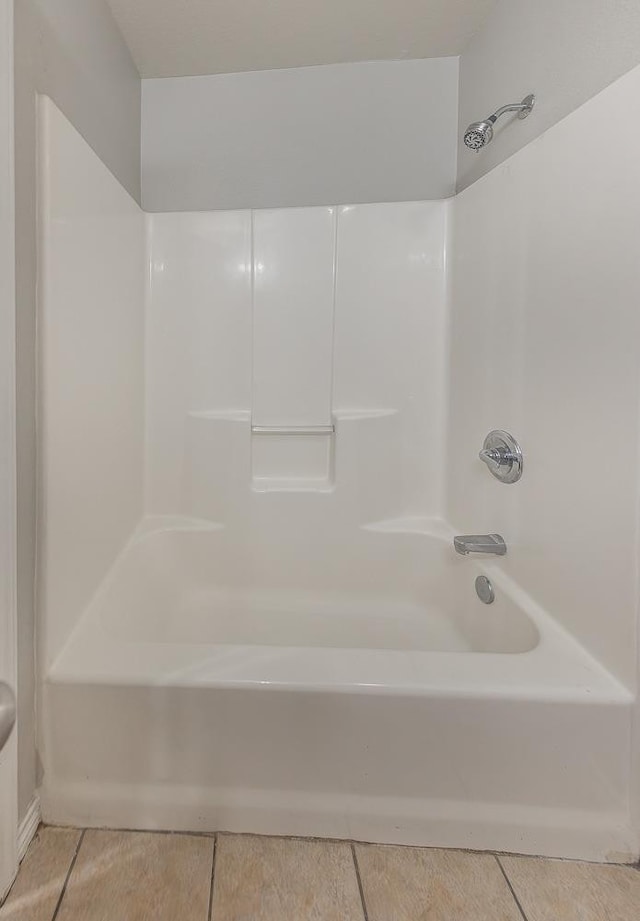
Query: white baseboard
{"x": 28, "y": 826}
{"x": 598, "y": 836}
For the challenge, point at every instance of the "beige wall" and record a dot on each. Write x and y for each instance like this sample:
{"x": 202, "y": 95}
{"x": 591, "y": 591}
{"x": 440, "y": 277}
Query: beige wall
{"x": 72, "y": 51}
{"x": 565, "y": 51}
{"x": 341, "y": 133}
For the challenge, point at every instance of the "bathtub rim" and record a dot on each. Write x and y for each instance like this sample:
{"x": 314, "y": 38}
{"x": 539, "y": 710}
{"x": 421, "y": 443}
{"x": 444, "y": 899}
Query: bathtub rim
{"x": 557, "y": 668}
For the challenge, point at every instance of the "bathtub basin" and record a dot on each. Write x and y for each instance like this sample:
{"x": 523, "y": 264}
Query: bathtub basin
{"x": 215, "y": 683}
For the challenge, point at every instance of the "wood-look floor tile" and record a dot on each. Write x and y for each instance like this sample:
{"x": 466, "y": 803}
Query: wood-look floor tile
{"x": 563, "y": 890}
{"x": 134, "y": 876}
{"x": 36, "y": 891}
{"x": 277, "y": 879}
{"x": 416, "y": 884}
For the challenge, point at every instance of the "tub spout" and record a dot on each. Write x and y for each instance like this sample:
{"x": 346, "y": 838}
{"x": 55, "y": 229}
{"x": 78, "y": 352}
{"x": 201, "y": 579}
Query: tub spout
{"x": 480, "y": 543}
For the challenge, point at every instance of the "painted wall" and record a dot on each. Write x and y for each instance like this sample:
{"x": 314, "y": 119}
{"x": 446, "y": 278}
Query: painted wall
{"x": 380, "y": 131}
{"x": 8, "y": 620}
{"x": 91, "y": 392}
{"x": 297, "y": 317}
{"x": 71, "y": 50}
{"x": 564, "y": 51}
{"x": 546, "y": 344}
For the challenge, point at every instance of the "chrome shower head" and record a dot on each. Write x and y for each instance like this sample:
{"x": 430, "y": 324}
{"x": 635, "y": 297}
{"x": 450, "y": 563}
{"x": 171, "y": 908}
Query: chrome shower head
{"x": 479, "y": 134}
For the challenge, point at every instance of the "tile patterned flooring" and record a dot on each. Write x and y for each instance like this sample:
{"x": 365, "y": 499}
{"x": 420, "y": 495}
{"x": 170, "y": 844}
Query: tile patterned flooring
{"x": 74, "y": 875}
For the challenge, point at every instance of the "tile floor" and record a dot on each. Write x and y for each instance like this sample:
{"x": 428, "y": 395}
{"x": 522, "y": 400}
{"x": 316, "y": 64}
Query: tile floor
{"x": 74, "y": 875}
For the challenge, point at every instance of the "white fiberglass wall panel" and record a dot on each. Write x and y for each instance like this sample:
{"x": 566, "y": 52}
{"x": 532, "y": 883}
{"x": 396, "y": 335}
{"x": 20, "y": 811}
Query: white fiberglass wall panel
{"x": 390, "y": 340}
{"x": 294, "y": 254}
{"x": 546, "y": 343}
{"x": 344, "y": 325}
{"x": 92, "y": 381}
{"x": 198, "y": 335}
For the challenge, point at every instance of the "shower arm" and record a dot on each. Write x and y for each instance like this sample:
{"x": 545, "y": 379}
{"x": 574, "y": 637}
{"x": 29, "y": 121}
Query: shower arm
{"x": 523, "y": 108}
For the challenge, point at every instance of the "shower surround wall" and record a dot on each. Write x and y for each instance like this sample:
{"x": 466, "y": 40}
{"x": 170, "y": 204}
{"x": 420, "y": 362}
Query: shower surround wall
{"x": 73, "y": 51}
{"x": 278, "y": 636}
{"x": 546, "y": 343}
{"x": 91, "y": 349}
{"x": 309, "y": 337}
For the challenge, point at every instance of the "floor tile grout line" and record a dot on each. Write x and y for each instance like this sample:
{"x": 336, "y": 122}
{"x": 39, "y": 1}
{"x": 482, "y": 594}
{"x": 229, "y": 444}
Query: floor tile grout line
{"x": 216, "y": 836}
{"x": 68, "y": 876}
{"x": 511, "y": 889}
{"x": 213, "y": 875}
{"x": 359, "y": 879}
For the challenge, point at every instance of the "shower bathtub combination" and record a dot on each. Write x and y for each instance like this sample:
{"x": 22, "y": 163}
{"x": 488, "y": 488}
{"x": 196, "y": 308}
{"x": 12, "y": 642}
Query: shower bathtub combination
{"x": 242, "y": 694}
{"x": 252, "y": 615}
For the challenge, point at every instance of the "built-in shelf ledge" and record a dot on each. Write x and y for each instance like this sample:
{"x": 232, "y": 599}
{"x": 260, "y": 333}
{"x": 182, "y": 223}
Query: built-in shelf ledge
{"x": 221, "y": 415}
{"x": 292, "y": 429}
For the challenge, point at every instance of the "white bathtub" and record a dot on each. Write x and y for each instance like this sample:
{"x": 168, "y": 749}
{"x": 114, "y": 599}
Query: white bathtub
{"x": 215, "y": 683}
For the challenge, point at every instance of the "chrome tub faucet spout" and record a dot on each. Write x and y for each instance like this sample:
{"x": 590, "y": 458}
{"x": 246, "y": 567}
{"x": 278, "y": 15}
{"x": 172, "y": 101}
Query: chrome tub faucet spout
{"x": 480, "y": 543}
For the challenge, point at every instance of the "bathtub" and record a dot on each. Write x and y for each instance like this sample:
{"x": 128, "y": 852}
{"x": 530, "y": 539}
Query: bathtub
{"x": 216, "y": 683}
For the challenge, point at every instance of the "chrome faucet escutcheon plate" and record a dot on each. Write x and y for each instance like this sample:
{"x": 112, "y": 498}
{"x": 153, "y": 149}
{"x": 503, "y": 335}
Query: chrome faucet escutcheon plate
{"x": 503, "y": 456}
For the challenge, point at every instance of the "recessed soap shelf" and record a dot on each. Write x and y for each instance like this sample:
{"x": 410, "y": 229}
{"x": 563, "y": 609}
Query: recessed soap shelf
{"x": 292, "y": 458}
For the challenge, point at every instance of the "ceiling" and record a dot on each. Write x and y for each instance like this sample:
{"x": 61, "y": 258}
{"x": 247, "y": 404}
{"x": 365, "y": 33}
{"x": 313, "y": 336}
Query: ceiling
{"x": 171, "y": 38}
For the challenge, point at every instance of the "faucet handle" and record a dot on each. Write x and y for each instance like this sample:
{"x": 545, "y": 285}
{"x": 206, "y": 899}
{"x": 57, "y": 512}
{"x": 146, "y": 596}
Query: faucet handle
{"x": 493, "y": 459}
{"x": 503, "y": 456}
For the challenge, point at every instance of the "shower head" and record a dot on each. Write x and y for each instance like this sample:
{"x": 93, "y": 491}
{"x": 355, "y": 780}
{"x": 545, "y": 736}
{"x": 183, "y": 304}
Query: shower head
{"x": 479, "y": 134}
